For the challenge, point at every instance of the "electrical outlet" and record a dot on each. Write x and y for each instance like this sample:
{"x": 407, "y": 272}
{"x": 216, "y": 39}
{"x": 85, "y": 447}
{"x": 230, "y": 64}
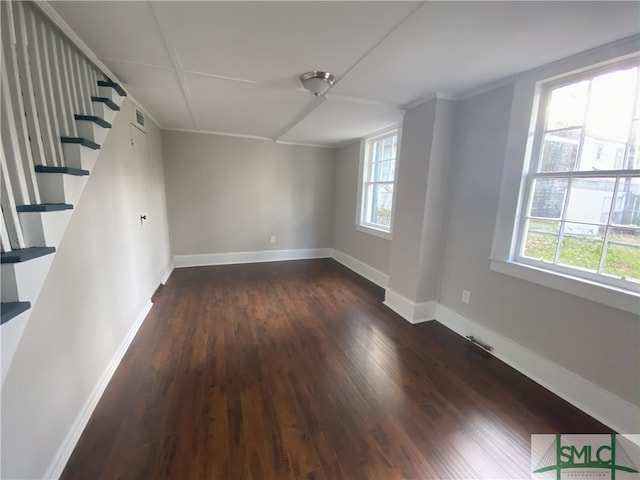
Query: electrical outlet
{"x": 466, "y": 296}
{"x": 273, "y": 239}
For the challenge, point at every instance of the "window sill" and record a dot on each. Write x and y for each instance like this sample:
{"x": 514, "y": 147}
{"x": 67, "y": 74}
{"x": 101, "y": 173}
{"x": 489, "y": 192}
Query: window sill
{"x": 596, "y": 292}
{"x": 373, "y": 231}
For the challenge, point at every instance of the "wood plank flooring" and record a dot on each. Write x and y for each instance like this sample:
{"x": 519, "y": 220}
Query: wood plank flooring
{"x": 297, "y": 370}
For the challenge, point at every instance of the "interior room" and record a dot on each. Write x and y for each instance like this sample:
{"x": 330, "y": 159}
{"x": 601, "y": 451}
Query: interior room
{"x": 317, "y": 239}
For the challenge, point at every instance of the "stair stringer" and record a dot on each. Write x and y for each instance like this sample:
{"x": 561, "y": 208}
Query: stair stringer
{"x": 31, "y": 275}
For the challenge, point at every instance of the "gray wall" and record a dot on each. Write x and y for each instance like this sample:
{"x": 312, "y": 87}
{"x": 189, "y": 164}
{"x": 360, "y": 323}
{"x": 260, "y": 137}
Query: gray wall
{"x": 374, "y": 251}
{"x": 104, "y": 272}
{"x": 435, "y": 220}
{"x": 228, "y": 194}
{"x": 596, "y": 342}
{"x": 420, "y": 201}
{"x": 410, "y": 196}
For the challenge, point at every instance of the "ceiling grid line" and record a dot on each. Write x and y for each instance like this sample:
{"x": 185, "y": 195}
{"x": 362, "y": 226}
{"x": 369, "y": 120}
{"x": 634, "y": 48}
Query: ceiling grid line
{"x": 304, "y": 114}
{"x": 315, "y": 105}
{"x": 177, "y": 65}
{"x": 221, "y": 77}
{"x": 378, "y": 43}
{"x": 130, "y": 62}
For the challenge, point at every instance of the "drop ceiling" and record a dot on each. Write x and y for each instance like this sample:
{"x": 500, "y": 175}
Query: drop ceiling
{"x": 234, "y": 67}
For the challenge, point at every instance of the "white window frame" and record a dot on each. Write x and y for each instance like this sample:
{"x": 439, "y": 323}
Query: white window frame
{"x": 525, "y": 106}
{"x": 363, "y": 180}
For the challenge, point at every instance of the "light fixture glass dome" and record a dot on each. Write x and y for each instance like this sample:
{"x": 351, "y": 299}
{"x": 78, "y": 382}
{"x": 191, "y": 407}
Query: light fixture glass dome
{"x": 316, "y": 82}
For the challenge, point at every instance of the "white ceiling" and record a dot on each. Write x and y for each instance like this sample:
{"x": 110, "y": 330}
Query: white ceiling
{"x": 233, "y": 67}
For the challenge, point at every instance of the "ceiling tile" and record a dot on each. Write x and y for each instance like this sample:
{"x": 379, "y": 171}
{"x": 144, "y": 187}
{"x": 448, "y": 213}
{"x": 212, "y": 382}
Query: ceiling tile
{"x": 338, "y": 121}
{"x": 159, "y": 91}
{"x": 242, "y": 108}
{"x": 117, "y": 30}
{"x": 455, "y": 47}
{"x": 271, "y": 41}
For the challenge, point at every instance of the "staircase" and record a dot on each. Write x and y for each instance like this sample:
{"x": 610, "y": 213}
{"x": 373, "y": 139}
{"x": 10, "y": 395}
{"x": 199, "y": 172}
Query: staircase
{"x": 57, "y": 108}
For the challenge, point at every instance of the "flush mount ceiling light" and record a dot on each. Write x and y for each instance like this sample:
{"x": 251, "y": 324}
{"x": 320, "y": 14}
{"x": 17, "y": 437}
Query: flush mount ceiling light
{"x": 317, "y": 82}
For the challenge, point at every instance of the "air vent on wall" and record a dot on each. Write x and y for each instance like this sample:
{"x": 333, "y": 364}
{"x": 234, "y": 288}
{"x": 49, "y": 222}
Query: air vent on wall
{"x": 139, "y": 118}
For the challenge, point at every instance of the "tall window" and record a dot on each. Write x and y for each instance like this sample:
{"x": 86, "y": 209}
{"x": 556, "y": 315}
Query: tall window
{"x": 378, "y": 175}
{"x": 582, "y": 211}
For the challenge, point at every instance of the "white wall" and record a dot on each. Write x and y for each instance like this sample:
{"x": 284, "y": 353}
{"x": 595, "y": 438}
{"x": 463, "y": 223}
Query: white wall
{"x": 372, "y": 250}
{"x": 228, "y": 194}
{"x": 104, "y": 272}
{"x": 597, "y": 342}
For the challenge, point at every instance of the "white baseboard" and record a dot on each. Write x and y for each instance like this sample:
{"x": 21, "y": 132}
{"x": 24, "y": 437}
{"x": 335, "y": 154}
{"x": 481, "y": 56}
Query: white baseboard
{"x": 65, "y": 450}
{"x": 376, "y": 276}
{"x": 409, "y": 310}
{"x": 166, "y": 275}
{"x": 601, "y": 404}
{"x": 208, "y": 259}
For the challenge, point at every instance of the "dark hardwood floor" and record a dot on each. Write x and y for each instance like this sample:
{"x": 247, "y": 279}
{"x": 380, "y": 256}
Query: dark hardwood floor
{"x": 297, "y": 370}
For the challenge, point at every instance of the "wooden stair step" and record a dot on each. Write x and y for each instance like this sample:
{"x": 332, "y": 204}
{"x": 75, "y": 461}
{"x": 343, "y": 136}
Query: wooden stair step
{"x": 44, "y": 207}
{"x": 9, "y": 310}
{"x": 69, "y": 170}
{"x": 81, "y": 141}
{"x": 106, "y": 101}
{"x": 93, "y": 118}
{"x": 115, "y": 86}
{"x": 25, "y": 254}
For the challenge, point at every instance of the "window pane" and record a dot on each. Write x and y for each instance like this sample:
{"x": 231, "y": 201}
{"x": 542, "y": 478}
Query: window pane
{"x": 385, "y": 149}
{"x": 601, "y": 155}
{"x": 622, "y": 261}
{"x": 549, "y": 226}
{"x": 590, "y": 200}
{"x": 611, "y": 105}
{"x": 548, "y": 197}
{"x": 623, "y": 253}
{"x": 542, "y": 239}
{"x": 626, "y": 209}
{"x": 388, "y": 148}
{"x": 560, "y": 151}
{"x": 567, "y": 106}
{"x": 581, "y": 246}
{"x": 626, "y": 235}
{"x": 633, "y": 156}
{"x": 384, "y": 171}
{"x": 381, "y": 198}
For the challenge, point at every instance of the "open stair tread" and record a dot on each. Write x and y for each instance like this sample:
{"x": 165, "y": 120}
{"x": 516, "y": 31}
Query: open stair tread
{"x": 82, "y": 141}
{"x": 24, "y": 254}
{"x": 93, "y": 118}
{"x": 107, "y": 102}
{"x": 69, "y": 170}
{"x": 10, "y": 310}
{"x": 44, "y": 207}
{"x": 115, "y": 86}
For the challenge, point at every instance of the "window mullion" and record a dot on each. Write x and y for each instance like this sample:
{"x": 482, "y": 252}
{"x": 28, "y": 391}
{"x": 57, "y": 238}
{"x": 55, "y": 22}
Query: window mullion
{"x": 589, "y": 173}
{"x": 605, "y": 244}
{"x": 627, "y": 148}
{"x": 563, "y": 216}
{"x": 563, "y": 129}
{"x": 583, "y": 132}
